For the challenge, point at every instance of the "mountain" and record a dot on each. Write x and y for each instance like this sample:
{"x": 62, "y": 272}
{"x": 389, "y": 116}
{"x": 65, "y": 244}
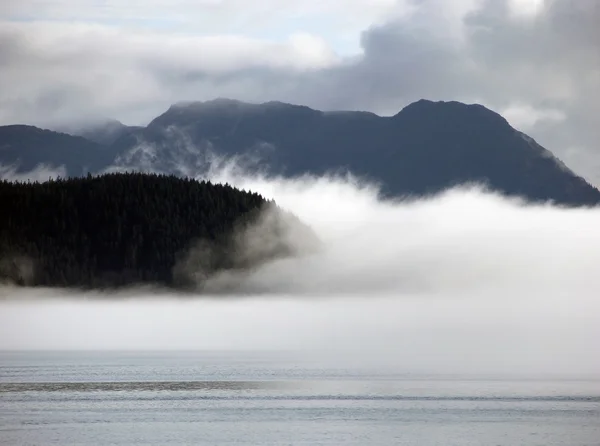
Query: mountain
{"x": 103, "y": 132}
{"x": 425, "y": 148}
{"x": 126, "y": 229}
{"x": 25, "y": 147}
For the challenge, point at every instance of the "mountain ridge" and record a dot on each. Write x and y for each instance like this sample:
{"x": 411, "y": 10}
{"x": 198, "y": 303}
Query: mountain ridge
{"x": 26, "y": 146}
{"x": 427, "y": 147}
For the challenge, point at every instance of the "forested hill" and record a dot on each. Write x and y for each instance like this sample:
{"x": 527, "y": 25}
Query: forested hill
{"x": 124, "y": 229}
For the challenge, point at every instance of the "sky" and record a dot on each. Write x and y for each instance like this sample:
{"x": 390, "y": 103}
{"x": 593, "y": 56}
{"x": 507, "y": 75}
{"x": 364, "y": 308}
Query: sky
{"x": 537, "y": 62}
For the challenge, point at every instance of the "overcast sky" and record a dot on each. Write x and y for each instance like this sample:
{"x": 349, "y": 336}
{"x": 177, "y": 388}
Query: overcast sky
{"x": 535, "y": 61}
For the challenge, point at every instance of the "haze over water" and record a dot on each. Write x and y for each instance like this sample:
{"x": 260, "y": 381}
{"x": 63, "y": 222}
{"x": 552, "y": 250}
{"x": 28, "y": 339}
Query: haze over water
{"x": 466, "y": 316}
{"x": 505, "y": 284}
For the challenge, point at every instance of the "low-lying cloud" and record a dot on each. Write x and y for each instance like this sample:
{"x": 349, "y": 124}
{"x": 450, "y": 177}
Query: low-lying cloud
{"x": 41, "y": 172}
{"x": 466, "y": 240}
{"x": 466, "y": 281}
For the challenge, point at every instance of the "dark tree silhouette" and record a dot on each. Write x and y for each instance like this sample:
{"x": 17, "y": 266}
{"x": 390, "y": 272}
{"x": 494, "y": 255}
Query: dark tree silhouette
{"x": 117, "y": 229}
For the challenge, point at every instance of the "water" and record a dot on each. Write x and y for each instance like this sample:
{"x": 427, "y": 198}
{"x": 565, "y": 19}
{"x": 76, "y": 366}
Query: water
{"x": 214, "y": 398}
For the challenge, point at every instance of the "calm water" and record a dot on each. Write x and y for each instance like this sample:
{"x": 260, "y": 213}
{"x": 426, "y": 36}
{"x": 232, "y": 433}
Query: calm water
{"x": 275, "y": 399}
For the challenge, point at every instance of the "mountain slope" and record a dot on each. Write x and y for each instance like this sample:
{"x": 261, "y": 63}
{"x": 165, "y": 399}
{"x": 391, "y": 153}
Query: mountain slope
{"x": 425, "y": 148}
{"x": 449, "y": 143}
{"x": 104, "y": 132}
{"x": 26, "y": 147}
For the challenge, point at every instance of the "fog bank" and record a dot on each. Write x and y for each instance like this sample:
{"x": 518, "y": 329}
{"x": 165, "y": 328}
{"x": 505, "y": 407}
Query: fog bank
{"x": 465, "y": 281}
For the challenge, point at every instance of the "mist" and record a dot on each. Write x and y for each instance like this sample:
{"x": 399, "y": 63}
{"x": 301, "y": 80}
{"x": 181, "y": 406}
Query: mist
{"x": 465, "y": 281}
{"x": 41, "y": 172}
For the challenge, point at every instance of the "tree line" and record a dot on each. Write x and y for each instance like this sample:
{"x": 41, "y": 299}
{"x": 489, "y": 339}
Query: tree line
{"x": 115, "y": 229}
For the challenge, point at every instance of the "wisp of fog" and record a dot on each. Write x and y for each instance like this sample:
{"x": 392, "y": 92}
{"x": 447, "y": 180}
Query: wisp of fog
{"x": 463, "y": 281}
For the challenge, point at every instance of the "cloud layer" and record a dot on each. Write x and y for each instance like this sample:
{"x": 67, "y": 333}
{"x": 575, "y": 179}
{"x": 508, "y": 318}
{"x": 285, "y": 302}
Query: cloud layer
{"x": 465, "y": 282}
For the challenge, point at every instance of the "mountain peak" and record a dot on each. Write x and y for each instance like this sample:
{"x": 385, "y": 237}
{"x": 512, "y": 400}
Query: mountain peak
{"x": 210, "y": 105}
{"x": 425, "y": 148}
{"x": 103, "y": 131}
{"x": 453, "y": 111}
{"x": 190, "y": 112}
{"x": 221, "y": 103}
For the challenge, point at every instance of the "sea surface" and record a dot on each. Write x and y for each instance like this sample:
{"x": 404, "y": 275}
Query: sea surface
{"x": 260, "y": 398}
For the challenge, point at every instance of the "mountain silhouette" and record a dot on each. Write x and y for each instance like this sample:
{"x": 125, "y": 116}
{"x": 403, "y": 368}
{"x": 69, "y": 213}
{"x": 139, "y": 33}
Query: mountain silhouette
{"x": 425, "y": 148}
{"x": 24, "y": 147}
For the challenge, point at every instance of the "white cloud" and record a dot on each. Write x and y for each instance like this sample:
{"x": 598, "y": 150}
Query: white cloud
{"x": 421, "y": 284}
{"x": 340, "y": 20}
{"x": 526, "y": 8}
{"x": 40, "y": 173}
{"x": 524, "y": 117}
{"x": 58, "y": 72}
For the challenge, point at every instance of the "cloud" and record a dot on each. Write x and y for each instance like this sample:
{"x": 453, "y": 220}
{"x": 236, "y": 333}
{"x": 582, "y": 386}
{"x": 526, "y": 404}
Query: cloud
{"x": 91, "y": 69}
{"x": 192, "y": 10}
{"x": 537, "y": 60}
{"x": 461, "y": 242}
{"x": 464, "y": 282}
{"x": 546, "y": 337}
{"x": 338, "y": 20}
{"x": 526, "y": 117}
{"x": 40, "y": 173}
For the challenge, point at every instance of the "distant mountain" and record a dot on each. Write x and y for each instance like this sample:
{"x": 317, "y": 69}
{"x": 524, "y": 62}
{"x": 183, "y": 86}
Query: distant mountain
{"x": 25, "y": 147}
{"x": 425, "y": 148}
{"x": 104, "y": 132}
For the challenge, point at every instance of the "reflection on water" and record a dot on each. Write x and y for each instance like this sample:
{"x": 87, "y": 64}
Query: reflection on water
{"x": 270, "y": 399}
{"x": 173, "y": 386}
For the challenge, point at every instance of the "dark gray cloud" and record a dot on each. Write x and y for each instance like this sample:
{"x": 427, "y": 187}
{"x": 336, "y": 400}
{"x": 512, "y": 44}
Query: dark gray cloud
{"x": 543, "y": 71}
